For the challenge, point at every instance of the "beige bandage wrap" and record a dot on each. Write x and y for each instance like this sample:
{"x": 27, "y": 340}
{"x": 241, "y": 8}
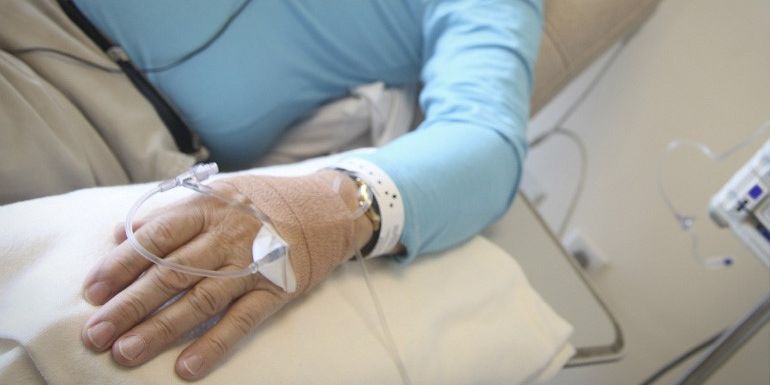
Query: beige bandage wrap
{"x": 311, "y": 217}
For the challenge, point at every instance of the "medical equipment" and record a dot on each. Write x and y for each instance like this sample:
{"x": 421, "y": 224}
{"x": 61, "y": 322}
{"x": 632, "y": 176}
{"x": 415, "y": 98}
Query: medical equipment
{"x": 743, "y": 206}
{"x": 270, "y": 252}
{"x": 731, "y": 206}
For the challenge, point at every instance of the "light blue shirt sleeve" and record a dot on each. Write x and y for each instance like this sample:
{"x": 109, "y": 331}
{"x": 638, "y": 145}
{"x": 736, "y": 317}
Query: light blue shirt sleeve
{"x": 279, "y": 60}
{"x": 459, "y": 171}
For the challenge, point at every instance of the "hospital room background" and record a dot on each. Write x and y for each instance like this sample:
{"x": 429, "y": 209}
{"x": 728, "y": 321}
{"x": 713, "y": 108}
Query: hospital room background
{"x": 700, "y": 70}
{"x": 604, "y": 192}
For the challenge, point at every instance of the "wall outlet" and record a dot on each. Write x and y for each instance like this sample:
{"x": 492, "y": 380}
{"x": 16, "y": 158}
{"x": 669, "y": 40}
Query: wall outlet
{"x": 585, "y": 251}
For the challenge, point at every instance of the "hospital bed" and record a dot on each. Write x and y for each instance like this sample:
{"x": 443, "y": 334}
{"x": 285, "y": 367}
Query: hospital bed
{"x": 486, "y": 323}
{"x": 563, "y": 283}
{"x": 509, "y": 334}
{"x": 467, "y": 315}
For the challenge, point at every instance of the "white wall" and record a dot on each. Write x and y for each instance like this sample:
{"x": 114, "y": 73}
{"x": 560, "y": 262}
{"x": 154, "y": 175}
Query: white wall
{"x": 698, "y": 69}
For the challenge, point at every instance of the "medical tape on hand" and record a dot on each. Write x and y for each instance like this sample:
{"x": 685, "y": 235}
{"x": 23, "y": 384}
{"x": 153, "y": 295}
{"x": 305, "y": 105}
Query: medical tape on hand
{"x": 313, "y": 219}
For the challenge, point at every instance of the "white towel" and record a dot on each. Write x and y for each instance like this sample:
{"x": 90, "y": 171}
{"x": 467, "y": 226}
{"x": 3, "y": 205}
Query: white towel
{"x": 465, "y": 316}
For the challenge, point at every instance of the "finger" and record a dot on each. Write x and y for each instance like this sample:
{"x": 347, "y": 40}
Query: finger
{"x": 204, "y": 301}
{"x": 160, "y": 284}
{"x": 123, "y": 264}
{"x": 198, "y": 359}
{"x": 119, "y": 232}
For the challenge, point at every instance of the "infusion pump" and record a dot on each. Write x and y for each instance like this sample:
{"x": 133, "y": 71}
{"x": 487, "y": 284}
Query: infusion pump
{"x": 743, "y": 204}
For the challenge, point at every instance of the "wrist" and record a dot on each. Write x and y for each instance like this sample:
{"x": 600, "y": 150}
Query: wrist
{"x": 387, "y": 212}
{"x": 363, "y": 231}
{"x": 311, "y": 214}
{"x": 362, "y": 226}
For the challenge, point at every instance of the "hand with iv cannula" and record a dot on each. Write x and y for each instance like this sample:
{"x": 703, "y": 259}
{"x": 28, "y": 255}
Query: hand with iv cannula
{"x": 310, "y": 214}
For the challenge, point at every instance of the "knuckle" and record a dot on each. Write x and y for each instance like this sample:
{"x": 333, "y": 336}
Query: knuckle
{"x": 208, "y": 300}
{"x": 198, "y": 218}
{"x": 160, "y": 234}
{"x": 242, "y": 284}
{"x": 132, "y": 307}
{"x": 244, "y": 321}
{"x": 249, "y": 283}
{"x": 164, "y": 328}
{"x": 169, "y": 281}
{"x": 180, "y": 279}
{"x": 217, "y": 345}
{"x": 117, "y": 232}
{"x": 127, "y": 264}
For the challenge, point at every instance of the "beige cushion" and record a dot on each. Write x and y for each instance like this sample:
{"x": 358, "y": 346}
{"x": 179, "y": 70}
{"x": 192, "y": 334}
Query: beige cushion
{"x": 576, "y": 33}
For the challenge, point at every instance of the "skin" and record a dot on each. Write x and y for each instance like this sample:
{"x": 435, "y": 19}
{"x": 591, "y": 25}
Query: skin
{"x": 128, "y": 288}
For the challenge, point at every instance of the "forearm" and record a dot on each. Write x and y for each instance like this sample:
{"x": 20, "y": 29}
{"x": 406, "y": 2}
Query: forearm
{"x": 452, "y": 192}
{"x": 459, "y": 171}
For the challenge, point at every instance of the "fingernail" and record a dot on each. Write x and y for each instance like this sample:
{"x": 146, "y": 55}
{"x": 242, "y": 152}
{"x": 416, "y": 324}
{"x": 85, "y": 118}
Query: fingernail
{"x": 193, "y": 364}
{"x": 101, "y": 334}
{"x": 97, "y": 293}
{"x": 131, "y": 347}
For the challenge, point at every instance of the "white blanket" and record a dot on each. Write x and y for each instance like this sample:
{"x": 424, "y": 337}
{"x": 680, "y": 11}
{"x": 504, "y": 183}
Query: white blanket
{"x": 464, "y": 316}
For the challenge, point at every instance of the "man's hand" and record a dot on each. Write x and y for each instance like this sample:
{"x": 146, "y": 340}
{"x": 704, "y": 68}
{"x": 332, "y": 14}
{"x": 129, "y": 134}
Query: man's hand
{"x": 202, "y": 232}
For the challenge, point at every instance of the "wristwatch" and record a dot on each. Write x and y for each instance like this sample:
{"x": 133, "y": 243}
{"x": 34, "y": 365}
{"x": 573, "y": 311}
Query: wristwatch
{"x": 366, "y": 198}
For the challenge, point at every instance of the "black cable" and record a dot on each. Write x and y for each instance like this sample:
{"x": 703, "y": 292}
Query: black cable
{"x": 203, "y": 46}
{"x": 682, "y": 358}
{"x": 165, "y": 67}
{"x": 184, "y": 137}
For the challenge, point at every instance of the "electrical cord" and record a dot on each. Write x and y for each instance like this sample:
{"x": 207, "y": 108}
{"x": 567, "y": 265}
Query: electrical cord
{"x": 203, "y": 46}
{"x": 583, "y": 152}
{"x": 558, "y": 129}
{"x": 681, "y": 359}
{"x": 162, "y": 68}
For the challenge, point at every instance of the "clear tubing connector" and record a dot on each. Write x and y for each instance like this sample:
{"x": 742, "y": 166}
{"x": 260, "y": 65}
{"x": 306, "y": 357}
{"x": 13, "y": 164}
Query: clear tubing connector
{"x": 192, "y": 180}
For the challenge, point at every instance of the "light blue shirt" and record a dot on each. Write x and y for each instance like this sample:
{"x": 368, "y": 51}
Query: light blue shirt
{"x": 281, "y": 59}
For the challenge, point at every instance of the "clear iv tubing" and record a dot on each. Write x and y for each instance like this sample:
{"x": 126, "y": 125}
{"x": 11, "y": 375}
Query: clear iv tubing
{"x": 390, "y": 341}
{"x": 192, "y": 182}
{"x": 687, "y": 221}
